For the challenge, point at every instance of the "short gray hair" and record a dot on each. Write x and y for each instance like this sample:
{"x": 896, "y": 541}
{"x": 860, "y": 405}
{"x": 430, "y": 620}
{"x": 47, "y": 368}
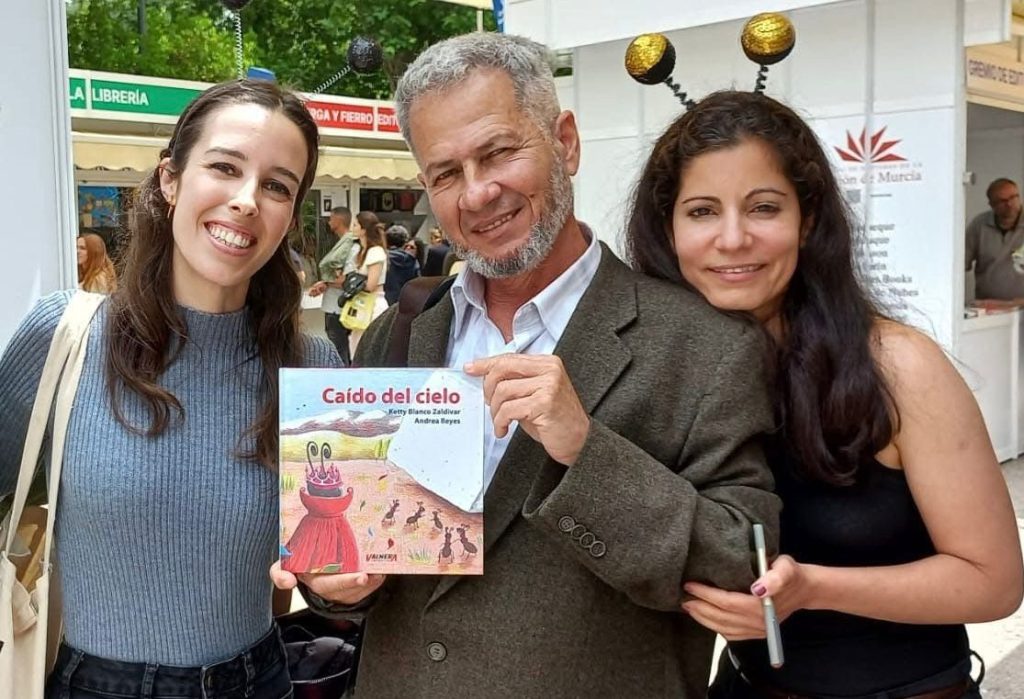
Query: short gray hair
{"x": 449, "y": 62}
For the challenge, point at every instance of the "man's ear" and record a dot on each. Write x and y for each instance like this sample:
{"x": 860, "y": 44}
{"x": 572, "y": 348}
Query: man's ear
{"x": 168, "y": 182}
{"x": 568, "y": 136}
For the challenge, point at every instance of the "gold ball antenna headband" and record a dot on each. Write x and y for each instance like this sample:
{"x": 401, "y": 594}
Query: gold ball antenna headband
{"x": 766, "y": 39}
{"x": 650, "y": 59}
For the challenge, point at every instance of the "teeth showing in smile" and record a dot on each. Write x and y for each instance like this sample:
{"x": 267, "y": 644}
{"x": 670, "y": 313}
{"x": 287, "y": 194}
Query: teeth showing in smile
{"x": 736, "y": 270}
{"x": 495, "y": 224}
{"x": 229, "y": 237}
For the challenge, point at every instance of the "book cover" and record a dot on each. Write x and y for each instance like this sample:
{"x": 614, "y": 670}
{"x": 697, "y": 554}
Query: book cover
{"x": 381, "y": 471}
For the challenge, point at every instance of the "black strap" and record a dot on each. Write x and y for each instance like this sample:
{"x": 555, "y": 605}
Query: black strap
{"x": 417, "y": 296}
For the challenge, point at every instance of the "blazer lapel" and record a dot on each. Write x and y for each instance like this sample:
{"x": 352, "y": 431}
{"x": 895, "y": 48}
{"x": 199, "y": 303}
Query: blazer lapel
{"x": 594, "y": 357}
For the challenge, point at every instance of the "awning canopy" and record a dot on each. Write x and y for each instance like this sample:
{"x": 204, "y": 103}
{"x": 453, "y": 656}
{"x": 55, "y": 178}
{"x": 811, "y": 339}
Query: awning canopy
{"x": 341, "y": 163}
{"x": 141, "y": 154}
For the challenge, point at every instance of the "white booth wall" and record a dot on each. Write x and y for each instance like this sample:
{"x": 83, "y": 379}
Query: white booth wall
{"x": 37, "y": 186}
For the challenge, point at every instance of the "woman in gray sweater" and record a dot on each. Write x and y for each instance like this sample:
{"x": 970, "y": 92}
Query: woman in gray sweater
{"x": 167, "y": 520}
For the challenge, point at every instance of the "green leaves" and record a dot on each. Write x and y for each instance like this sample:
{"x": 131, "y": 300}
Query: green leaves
{"x": 303, "y": 41}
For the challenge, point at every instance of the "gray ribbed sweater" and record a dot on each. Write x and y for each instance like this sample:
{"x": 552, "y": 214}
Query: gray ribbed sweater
{"x": 164, "y": 543}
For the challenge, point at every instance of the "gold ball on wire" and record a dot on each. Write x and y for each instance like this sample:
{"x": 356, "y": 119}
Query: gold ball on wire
{"x": 650, "y": 58}
{"x": 768, "y": 38}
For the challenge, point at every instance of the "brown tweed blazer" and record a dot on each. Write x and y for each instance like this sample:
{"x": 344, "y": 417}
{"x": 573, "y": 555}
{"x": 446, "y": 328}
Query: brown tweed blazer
{"x": 584, "y": 565}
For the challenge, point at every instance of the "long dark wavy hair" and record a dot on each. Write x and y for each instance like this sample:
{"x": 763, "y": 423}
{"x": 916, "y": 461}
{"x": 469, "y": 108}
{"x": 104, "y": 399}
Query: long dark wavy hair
{"x": 833, "y": 405}
{"x": 146, "y": 329}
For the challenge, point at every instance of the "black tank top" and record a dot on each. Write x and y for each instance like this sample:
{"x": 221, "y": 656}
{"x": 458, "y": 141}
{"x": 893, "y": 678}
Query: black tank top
{"x": 872, "y": 523}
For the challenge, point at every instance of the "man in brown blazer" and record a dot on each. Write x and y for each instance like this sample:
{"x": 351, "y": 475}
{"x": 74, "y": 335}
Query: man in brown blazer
{"x": 623, "y": 457}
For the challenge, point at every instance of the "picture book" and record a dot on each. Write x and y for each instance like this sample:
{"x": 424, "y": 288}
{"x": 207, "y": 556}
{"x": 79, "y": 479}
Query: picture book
{"x": 381, "y": 471}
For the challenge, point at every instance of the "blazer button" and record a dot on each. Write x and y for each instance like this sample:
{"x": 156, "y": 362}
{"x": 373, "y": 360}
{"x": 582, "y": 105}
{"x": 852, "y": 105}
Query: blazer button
{"x": 566, "y": 524}
{"x": 597, "y": 549}
{"x": 587, "y": 540}
{"x": 437, "y": 652}
{"x": 578, "y": 531}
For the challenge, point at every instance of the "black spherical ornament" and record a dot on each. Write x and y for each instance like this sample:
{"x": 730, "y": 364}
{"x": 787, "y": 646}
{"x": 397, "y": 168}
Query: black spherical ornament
{"x": 650, "y": 59}
{"x": 365, "y": 55}
{"x": 234, "y": 5}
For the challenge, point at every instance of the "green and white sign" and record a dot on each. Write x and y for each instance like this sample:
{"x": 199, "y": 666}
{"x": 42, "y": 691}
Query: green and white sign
{"x": 139, "y": 98}
{"x": 134, "y": 95}
{"x": 77, "y": 90}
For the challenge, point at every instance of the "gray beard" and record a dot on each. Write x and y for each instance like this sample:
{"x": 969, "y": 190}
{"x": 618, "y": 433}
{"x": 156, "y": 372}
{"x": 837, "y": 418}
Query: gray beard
{"x": 558, "y": 205}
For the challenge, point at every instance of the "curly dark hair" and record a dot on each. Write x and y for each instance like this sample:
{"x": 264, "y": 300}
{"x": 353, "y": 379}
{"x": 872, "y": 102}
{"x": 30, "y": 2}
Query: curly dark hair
{"x": 146, "y": 329}
{"x": 833, "y": 405}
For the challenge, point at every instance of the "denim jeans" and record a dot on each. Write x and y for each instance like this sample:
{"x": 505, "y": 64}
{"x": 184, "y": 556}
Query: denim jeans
{"x": 257, "y": 673}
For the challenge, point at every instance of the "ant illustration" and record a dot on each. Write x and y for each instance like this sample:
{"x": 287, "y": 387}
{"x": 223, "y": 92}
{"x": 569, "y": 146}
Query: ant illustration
{"x": 468, "y": 547}
{"x": 414, "y": 520}
{"x": 389, "y": 518}
{"x": 446, "y": 554}
{"x": 437, "y": 522}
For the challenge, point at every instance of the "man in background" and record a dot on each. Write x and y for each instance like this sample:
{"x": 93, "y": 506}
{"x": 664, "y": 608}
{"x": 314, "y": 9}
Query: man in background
{"x": 402, "y": 265}
{"x": 332, "y": 274}
{"x": 995, "y": 245}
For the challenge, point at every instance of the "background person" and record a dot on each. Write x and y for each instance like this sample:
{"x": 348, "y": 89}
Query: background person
{"x": 371, "y": 259}
{"x": 897, "y": 527}
{"x": 995, "y": 245}
{"x": 172, "y": 443}
{"x": 333, "y": 268}
{"x": 402, "y": 264}
{"x": 436, "y": 253}
{"x": 95, "y": 270}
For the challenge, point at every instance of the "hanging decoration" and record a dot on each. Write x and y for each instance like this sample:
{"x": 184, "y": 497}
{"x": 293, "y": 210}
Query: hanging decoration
{"x": 365, "y": 55}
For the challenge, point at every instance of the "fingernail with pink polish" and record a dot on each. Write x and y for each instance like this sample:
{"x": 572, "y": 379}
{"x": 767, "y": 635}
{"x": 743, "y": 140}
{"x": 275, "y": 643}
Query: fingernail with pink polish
{"x": 759, "y": 589}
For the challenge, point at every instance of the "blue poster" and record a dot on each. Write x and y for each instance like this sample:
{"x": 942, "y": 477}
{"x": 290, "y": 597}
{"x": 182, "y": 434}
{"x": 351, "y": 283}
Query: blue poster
{"x": 98, "y": 207}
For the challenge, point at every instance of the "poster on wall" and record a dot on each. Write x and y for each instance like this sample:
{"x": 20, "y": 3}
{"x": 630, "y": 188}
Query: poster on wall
{"x": 98, "y": 207}
{"x": 896, "y": 173}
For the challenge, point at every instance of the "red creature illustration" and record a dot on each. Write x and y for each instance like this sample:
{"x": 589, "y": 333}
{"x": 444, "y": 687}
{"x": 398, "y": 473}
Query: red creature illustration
{"x": 324, "y": 536}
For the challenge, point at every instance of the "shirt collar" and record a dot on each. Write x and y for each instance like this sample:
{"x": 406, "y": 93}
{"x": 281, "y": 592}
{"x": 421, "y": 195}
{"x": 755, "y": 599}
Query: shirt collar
{"x": 555, "y": 303}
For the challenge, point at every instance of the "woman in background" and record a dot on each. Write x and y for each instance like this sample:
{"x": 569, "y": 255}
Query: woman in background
{"x": 95, "y": 270}
{"x": 896, "y": 527}
{"x": 372, "y": 261}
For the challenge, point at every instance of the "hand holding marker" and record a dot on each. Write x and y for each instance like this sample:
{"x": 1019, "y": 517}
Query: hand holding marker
{"x": 771, "y": 622}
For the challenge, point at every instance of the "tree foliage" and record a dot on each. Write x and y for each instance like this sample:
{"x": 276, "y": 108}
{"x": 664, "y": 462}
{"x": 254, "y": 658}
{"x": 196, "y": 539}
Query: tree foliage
{"x": 303, "y": 41}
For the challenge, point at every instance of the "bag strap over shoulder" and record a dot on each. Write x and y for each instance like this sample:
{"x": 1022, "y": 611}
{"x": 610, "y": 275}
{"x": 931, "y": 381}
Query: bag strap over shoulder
{"x": 417, "y": 296}
{"x": 61, "y": 373}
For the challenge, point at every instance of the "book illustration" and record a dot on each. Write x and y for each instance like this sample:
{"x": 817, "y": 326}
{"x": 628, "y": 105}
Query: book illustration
{"x": 385, "y": 476}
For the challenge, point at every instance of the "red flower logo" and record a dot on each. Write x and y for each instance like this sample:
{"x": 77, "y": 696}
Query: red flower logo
{"x": 877, "y": 151}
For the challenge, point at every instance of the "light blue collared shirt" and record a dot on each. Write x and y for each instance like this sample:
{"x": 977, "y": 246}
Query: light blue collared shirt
{"x": 536, "y": 328}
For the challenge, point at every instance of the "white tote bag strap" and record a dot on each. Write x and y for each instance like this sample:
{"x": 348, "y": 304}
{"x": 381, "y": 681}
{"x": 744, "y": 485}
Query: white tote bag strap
{"x": 69, "y": 340}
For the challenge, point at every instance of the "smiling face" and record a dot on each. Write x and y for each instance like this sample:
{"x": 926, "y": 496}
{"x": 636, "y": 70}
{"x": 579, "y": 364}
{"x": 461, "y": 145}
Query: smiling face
{"x": 736, "y": 228}
{"x": 498, "y": 183}
{"x": 233, "y": 203}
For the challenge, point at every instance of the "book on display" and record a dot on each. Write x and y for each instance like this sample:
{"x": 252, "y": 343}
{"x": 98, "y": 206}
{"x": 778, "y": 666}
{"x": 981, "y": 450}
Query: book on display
{"x": 381, "y": 471}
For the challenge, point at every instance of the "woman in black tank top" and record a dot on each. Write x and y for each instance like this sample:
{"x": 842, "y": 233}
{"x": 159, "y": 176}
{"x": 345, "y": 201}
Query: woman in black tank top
{"x": 897, "y": 528}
